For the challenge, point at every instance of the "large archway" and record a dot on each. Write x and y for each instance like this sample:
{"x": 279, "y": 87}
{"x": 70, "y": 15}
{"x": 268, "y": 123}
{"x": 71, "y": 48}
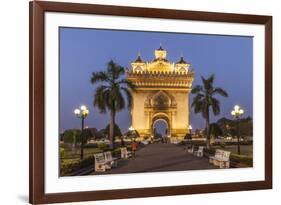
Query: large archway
{"x": 160, "y": 128}
{"x": 161, "y": 118}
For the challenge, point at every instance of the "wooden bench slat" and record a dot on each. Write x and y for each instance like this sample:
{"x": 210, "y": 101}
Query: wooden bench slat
{"x": 221, "y": 158}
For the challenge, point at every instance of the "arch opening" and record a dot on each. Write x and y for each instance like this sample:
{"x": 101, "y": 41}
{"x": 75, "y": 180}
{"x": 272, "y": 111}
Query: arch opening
{"x": 160, "y": 128}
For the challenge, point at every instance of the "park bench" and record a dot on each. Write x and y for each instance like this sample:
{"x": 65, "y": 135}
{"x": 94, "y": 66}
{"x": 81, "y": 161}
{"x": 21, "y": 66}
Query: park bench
{"x": 199, "y": 152}
{"x": 145, "y": 142}
{"x": 109, "y": 159}
{"x": 175, "y": 141}
{"x": 125, "y": 154}
{"x": 221, "y": 158}
{"x": 190, "y": 149}
{"x": 100, "y": 164}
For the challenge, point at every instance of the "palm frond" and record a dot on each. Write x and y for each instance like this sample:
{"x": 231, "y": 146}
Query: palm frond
{"x": 215, "y": 106}
{"x": 99, "y": 77}
{"x": 208, "y": 83}
{"x": 211, "y": 78}
{"x": 220, "y": 91}
{"x": 129, "y": 97}
{"x": 197, "y": 89}
{"x": 100, "y": 98}
{"x": 128, "y": 83}
{"x": 205, "y": 110}
{"x": 117, "y": 99}
{"x": 197, "y": 105}
{"x": 198, "y": 97}
{"x": 114, "y": 70}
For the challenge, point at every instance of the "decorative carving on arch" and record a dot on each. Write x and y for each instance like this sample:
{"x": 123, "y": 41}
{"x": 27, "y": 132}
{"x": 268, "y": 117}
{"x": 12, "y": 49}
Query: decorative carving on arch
{"x": 160, "y": 99}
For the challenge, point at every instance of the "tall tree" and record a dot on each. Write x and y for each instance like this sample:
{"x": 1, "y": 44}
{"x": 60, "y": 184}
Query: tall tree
{"x": 111, "y": 93}
{"x": 204, "y": 99}
{"x": 72, "y": 136}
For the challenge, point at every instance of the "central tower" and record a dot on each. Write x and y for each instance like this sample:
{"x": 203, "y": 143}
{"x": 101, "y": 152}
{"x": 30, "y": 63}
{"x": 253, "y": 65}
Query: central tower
{"x": 162, "y": 92}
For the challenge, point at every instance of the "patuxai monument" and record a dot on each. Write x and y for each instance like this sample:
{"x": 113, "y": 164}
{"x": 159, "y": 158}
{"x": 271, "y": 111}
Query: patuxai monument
{"x": 162, "y": 93}
{"x": 148, "y": 108}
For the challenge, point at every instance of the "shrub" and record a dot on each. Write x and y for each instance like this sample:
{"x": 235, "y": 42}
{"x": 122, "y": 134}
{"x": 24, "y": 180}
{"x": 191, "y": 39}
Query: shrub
{"x": 69, "y": 166}
{"x": 247, "y": 160}
{"x": 181, "y": 143}
{"x": 234, "y": 143}
{"x": 103, "y": 146}
{"x": 210, "y": 151}
{"x": 222, "y": 145}
{"x": 116, "y": 152}
{"x": 90, "y": 145}
{"x": 62, "y": 152}
{"x": 198, "y": 142}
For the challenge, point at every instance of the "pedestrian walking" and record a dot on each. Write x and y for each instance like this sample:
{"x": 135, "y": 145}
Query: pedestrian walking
{"x": 134, "y": 148}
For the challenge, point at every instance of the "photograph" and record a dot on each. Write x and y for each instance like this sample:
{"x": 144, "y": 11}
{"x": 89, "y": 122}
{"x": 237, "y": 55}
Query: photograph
{"x": 147, "y": 101}
{"x": 140, "y": 102}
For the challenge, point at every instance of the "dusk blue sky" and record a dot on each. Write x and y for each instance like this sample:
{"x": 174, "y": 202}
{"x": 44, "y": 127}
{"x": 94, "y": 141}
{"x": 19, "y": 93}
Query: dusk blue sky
{"x": 83, "y": 51}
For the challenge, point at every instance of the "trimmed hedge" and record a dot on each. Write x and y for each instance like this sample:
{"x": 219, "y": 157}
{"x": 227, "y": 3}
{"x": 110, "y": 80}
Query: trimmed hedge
{"x": 210, "y": 151}
{"x": 67, "y": 166}
{"x": 103, "y": 146}
{"x": 203, "y": 143}
{"x": 194, "y": 142}
{"x": 233, "y": 143}
{"x": 242, "y": 159}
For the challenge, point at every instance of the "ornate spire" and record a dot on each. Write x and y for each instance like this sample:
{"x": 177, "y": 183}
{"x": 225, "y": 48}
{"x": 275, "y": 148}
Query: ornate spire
{"x": 160, "y": 53}
{"x": 160, "y": 48}
{"x": 181, "y": 61}
{"x": 138, "y": 60}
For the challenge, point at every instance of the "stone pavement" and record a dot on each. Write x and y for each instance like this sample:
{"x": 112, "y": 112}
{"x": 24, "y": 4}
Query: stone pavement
{"x": 160, "y": 157}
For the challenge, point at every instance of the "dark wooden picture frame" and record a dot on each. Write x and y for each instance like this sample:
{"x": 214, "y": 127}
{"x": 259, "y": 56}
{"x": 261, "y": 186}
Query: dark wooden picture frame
{"x": 37, "y": 96}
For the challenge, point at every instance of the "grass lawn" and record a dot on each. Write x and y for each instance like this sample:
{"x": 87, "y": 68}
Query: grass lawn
{"x": 245, "y": 149}
{"x": 70, "y": 154}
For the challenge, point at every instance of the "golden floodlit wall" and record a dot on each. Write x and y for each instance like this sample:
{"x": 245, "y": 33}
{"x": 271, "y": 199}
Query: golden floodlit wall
{"x": 162, "y": 93}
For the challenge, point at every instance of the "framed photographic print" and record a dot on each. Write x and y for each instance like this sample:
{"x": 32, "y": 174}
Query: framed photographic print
{"x": 138, "y": 102}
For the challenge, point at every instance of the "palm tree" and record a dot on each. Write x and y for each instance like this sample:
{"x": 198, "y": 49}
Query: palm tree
{"x": 109, "y": 95}
{"x": 204, "y": 99}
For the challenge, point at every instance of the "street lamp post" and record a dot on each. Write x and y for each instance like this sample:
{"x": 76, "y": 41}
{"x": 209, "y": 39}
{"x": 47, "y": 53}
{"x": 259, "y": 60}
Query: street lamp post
{"x": 190, "y": 128}
{"x": 82, "y": 113}
{"x": 190, "y": 131}
{"x": 236, "y": 113}
{"x": 131, "y": 130}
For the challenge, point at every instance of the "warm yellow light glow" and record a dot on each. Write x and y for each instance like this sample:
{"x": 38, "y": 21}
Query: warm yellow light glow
{"x": 131, "y": 128}
{"x": 190, "y": 127}
{"x": 237, "y": 111}
{"x": 77, "y": 112}
{"x": 236, "y": 107}
{"x": 83, "y": 107}
{"x": 85, "y": 112}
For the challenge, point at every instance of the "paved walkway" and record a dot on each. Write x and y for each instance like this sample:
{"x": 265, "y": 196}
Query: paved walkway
{"x": 160, "y": 157}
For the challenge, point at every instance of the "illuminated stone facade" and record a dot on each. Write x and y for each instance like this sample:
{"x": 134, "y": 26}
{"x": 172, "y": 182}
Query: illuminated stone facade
{"x": 162, "y": 93}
